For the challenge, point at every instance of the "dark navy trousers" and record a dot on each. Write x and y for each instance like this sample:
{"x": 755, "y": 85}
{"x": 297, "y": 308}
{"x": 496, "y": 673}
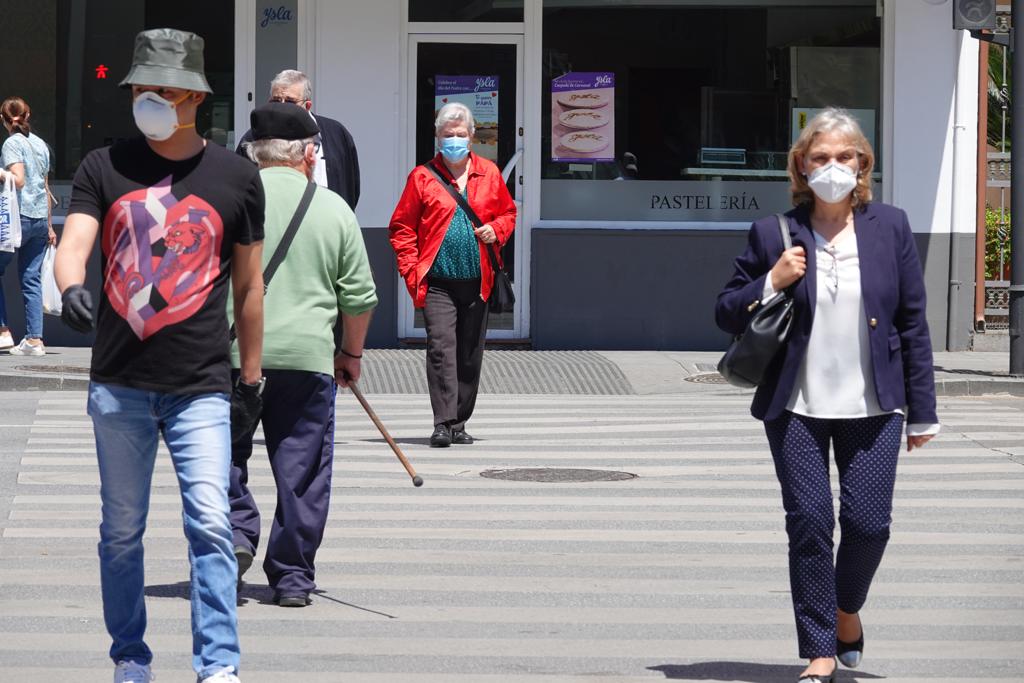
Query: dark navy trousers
{"x": 298, "y": 423}
{"x": 866, "y": 450}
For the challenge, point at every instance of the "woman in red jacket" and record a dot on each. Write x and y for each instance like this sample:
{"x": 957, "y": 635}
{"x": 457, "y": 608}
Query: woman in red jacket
{"x": 442, "y": 258}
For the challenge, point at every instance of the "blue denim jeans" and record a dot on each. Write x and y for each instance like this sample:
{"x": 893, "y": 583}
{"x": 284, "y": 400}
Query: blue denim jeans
{"x": 196, "y": 429}
{"x": 34, "y": 232}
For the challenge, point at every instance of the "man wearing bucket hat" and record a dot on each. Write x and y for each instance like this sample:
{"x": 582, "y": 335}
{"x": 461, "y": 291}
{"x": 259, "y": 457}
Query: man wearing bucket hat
{"x": 178, "y": 219}
{"x": 323, "y": 275}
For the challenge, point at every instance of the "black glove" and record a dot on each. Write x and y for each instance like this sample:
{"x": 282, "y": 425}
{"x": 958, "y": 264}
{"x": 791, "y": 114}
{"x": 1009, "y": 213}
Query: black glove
{"x": 246, "y": 407}
{"x": 77, "y": 309}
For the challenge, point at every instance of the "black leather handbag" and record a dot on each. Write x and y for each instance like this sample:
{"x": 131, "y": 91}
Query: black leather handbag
{"x": 503, "y": 298}
{"x": 750, "y": 354}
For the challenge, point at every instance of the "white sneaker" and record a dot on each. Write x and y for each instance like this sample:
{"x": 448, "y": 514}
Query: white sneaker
{"x": 130, "y": 672}
{"x": 26, "y": 349}
{"x": 6, "y": 340}
{"x": 223, "y": 676}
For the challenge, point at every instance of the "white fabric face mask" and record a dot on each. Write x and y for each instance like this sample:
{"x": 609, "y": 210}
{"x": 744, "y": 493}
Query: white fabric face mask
{"x": 833, "y": 182}
{"x": 156, "y": 117}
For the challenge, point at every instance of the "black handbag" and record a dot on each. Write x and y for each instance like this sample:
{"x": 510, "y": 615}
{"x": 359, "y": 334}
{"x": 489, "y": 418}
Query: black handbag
{"x": 750, "y": 354}
{"x": 503, "y": 298}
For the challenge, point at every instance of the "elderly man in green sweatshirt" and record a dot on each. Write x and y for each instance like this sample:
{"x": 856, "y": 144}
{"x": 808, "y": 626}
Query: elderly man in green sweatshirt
{"x": 324, "y": 273}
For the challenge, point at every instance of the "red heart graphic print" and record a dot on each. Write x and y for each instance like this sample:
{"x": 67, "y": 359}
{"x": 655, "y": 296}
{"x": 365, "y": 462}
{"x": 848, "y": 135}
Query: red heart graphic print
{"x": 162, "y": 255}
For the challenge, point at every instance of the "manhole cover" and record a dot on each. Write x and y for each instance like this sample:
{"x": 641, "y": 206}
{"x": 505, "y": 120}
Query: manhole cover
{"x": 54, "y": 369}
{"x": 556, "y": 475}
{"x": 706, "y": 378}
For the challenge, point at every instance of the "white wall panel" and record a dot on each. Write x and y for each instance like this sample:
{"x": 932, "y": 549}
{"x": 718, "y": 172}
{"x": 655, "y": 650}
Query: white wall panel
{"x": 358, "y": 77}
{"x": 927, "y": 60}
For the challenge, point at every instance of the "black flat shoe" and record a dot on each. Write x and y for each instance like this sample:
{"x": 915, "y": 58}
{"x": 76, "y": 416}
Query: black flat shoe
{"x": 820, "y": 678}
{"x": 244, "y": 558}
{"x": 850, "y": 654}
{"x": 298, "y": 600}
{"x": 442, "y": 437}
{"x": 461, "y": 437}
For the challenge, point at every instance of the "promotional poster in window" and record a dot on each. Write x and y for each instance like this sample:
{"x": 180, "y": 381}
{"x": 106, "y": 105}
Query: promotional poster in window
{"x": 583, "y": 116}
{"x": 480, "y": 94}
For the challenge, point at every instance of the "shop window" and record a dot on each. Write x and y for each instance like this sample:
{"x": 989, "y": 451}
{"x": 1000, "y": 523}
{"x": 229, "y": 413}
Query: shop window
{"x": 80, "y": 51}
{"x": 686, "y": 110}
{"x": 465, "y": 10}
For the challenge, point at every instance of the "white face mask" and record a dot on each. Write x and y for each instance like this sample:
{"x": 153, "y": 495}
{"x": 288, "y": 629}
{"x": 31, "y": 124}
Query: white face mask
{"x": 833, "y": 182}
{"x": 156, "y": 117}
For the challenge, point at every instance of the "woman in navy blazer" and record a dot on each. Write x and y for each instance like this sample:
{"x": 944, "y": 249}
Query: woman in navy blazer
{"x": 858, "y": 361}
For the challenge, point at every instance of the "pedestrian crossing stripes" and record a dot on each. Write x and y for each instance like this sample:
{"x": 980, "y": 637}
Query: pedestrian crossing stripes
{"x": 679, "y": 574}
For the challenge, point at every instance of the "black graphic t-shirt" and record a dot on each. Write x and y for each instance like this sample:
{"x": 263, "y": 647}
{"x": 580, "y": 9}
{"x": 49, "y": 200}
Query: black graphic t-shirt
{"x": 167, "y": 230}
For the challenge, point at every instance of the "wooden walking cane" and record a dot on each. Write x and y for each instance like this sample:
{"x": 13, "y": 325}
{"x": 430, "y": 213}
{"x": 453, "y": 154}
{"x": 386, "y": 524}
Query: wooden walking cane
{"x": 417, "y": 480}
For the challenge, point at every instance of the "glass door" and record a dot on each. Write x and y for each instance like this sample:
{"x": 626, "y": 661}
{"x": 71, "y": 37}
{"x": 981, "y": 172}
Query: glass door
{"x": 485, "y": 72}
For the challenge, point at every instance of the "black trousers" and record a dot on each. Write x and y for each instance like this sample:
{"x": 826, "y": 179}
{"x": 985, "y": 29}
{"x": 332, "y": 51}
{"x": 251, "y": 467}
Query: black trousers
{"x": 298, "y": 423}
{"x": 456, "y": 321}
{"x": 866, "y": 451}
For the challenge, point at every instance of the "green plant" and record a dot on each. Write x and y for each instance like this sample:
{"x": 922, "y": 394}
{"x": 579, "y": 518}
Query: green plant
{"x": 999, "y": 93}
{"x": 997, "y": 241}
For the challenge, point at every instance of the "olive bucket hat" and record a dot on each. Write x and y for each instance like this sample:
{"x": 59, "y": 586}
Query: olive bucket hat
{"x": 169, "y": 58}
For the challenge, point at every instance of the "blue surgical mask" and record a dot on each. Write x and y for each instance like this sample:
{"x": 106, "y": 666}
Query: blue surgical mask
{"x": 454, "y": 149}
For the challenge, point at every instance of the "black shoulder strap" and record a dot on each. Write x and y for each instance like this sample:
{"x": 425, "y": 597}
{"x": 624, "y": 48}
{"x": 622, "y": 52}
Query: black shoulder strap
{"x": 461, "y": 201}
{"x": 289, "y": 235}
{"x": 456, "y": 195}
{"x": 787, "y": 242}
{"x": 285, "y": 243}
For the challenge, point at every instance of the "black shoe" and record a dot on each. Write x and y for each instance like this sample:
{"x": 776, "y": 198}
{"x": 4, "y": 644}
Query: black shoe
{"x": 820, "y": 678}
{"x": 850, "y": 654}
{"x": 244, "y": 558}
{"x": 461, "y": 437}
{"x": 296, "y": 600}
{"x": 442, "y": 437}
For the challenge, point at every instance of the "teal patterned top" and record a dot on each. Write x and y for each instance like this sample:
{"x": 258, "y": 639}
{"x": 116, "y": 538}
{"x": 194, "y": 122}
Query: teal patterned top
{"x": 459, "y": 255}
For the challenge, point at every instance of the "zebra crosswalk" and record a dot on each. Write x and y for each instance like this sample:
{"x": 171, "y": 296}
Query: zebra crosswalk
{"x": 676, "y": 574}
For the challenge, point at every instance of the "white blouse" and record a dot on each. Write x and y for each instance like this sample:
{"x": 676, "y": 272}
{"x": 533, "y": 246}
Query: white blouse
{"x": 836, "y": 379}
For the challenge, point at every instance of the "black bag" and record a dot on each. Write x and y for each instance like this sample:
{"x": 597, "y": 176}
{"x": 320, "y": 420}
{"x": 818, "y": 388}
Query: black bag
{"x": 503, "y": 298}
{"x": 750, "y": 354}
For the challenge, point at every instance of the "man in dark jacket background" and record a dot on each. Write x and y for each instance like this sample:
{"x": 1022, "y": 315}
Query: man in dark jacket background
{"x": 337, "y": 166}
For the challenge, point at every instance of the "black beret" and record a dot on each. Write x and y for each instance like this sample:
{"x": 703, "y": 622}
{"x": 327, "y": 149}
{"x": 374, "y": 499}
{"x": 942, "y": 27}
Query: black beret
{"x": 282, "y": 121}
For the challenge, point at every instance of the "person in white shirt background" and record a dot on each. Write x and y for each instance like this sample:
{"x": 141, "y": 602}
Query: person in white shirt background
{"x": 857, "y": 363}
{"x": 25, "y": 158}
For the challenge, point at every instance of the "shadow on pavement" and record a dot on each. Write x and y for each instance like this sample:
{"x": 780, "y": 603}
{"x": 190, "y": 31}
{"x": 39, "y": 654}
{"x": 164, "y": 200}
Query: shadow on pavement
{"x": 260, "y": 593}
{"x": 168, "y": 590}
{"x": 747, "y": 672}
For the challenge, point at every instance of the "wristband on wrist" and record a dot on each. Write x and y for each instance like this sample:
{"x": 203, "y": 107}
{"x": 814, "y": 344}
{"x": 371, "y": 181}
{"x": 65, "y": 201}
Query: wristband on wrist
{"x": 351, "y": 355}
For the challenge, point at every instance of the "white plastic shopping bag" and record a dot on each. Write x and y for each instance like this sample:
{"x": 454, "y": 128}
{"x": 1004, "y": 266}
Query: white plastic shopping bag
{"x": 52, "y": 302}
{"x": 10, "y": 217}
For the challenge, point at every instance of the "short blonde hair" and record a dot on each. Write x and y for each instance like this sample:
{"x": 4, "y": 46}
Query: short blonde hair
{"x": 832, "y": 119}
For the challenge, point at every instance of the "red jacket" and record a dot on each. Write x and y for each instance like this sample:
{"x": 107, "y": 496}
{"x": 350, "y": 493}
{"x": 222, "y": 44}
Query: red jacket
{"x": 425, "y": 211}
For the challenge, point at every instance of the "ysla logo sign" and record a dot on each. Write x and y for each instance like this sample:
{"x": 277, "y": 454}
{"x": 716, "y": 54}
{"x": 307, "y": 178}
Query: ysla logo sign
{"x": 486, "y": 83}
{"x": 603, "y": 80}
{"x": 275, "y": 15}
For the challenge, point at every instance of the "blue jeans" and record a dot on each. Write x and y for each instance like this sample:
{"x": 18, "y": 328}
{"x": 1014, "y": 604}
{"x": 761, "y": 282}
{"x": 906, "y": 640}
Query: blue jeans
{"x": 34, "y": 233}
{"x": 196, "y": 429}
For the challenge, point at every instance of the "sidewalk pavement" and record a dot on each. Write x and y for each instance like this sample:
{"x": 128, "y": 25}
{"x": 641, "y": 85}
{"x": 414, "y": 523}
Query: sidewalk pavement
{"x": 400, "y": 371}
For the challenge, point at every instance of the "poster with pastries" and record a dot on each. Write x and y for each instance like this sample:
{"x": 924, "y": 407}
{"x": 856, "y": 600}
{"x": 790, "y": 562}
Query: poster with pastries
{"x": 480, "y": 94}
{"x": 583, "y": 116}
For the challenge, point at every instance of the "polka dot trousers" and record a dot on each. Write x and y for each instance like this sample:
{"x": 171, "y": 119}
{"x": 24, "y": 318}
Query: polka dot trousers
{"x": 866, "y": 450}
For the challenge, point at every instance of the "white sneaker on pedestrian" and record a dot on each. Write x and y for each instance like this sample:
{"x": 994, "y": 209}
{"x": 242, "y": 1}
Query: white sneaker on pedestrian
{"x": 6, "y": 340}
{"x": 26, "y": 349}
{"x": 128, "y": 671}
{"x": 223, "y": 676}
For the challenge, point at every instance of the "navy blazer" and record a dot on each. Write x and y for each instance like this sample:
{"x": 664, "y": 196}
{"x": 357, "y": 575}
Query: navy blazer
{"x": 339, "y": 156}
{"x": 892, "y": 287}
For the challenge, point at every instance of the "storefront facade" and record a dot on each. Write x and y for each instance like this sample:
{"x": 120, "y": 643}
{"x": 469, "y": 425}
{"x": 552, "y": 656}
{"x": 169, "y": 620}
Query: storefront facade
{"x": 640, "y": 138}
